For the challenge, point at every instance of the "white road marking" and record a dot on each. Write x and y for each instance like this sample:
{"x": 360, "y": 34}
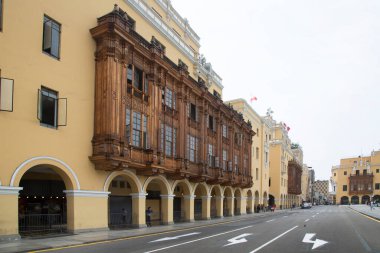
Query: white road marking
{"x": 317, "y": 243}
{"x": 237, "y": 239}
{"x": 285, "y": 216}
{"x": 200, "y": 239}
{"x": 270, "y": 220}
{"x": 313, "y": 216}
{"x": 274, "y": 239}
{"x": 175, "y": 237}
{"x": 307, "y": 220}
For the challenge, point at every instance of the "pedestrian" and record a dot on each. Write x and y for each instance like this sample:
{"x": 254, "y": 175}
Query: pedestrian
{"x": 148, "y": 214}
{"x": 124, "y": 215}
{"x": 371, "y": 204}
{"x": 258, "y": 208}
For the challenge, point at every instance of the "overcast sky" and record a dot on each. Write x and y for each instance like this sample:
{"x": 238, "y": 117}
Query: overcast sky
{"x": 315, "y": 63}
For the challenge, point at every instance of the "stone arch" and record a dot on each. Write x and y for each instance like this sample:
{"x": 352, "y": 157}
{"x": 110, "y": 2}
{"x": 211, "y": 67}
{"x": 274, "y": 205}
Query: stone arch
{"x": 228, "y": 192}
{"x": 354, "y": 200}
{"x": 218, "y": 190}
{"x": 201, "y": 201}
{"x": 61, "y": 168}
{"x": 188, "y": 189}
{"x": 164, "y": 186}
{"x": 344, "y": 200}
{"x": 136, "y": 184}
{"x": 250, "y": 207}
{"x": 365, "y": 199}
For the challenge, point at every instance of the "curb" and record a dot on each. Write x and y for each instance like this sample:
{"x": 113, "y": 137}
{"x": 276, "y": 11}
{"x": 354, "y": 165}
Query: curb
{"x": 366, "y": 214}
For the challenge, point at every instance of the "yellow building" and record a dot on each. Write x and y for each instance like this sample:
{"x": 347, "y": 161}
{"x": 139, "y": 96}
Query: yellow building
{"x": 259, "y": 192}
{"x": 285, "y": 168}
{"x": 356, "y": 180}
{"x": 90, "y": 141}
{"x": 305, "y": 183}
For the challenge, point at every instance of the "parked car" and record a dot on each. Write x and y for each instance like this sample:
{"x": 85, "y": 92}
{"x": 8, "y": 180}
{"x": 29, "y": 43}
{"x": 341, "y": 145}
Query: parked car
{"x": 306, "y": 205}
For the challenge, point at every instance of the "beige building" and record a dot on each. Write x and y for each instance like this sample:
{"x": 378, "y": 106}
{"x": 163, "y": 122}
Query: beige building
{"x": 259, "y": 192}
{"x": 356, "y": 180}
{"x": 305, "y": 183}
{"x": 285, "y": 168}
{"x": 108, "y": 109}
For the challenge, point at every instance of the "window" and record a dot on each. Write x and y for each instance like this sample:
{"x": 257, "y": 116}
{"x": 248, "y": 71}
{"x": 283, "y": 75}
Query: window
{"x": 211, "y": 122}
{"x": 224, "y": 166}
{"x": 193, "y": 112}
{"x": 334, "y": 174}
{"x": 51, "y": 37}
{"x": 269, "y": 182}
{"x": 377, "y": 186}
{"x": 266, "y": 156}
{"x": 257, "y": 153}
{"x": 357, "y": 172}
{"x": 216, "y": 94}
{"x": 236, "y": 164}
{"x": 224, "y": 131}
{"x": 168, "y": 138}
{"x": 345, "y": 173}
{"x": 192, "y": 148}
{"x": 138, "y": 83}
{"x": 128, "y": 125}
{"x": 6, "y": 94}
{"x": 364, "y": 172}
{"x": 257, "y": 132}
{"x": 51, "y": 110}
{"x": 145, "y": 133}
{"x": 377, "y": 170}
{"x": 257, "y": 173}
{"x": 1, "y": 15}
{"x": 211, "y": 157}
{"x": 129, "y": 74}
{"x": 344, "y": 188}
{"x": 136, "y": 133}
{"x": 169, "y": 98}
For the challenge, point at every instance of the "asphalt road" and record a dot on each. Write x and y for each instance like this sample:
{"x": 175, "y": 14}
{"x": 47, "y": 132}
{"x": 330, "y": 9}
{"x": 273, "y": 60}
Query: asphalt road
{"x": 320, "y": 229}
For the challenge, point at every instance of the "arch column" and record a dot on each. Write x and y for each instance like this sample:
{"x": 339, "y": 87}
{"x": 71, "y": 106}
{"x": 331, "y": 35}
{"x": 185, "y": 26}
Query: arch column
{"x": 251, "y": 204}
{"x": 138, "y": 207}
{"x": 167, "y": 209}
{"x": 9, "y": 212}
{"x": 219, "y": 206}
{"x": 86, "y": 210}
{"x": 189, "y": 207}
{"x": 206, "y": 207}
{"x": 230, "y": 206}
{"x": 241, "y": 203}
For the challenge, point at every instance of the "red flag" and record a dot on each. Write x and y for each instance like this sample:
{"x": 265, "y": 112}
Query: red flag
{"x": 288, "y": 128}
{"x": 252, "y": 99}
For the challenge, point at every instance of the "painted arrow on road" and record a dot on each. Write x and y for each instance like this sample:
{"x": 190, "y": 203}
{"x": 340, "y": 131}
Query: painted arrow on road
{"x": 175, "y": 237}
{"x": 317, "y": 243}
{"x": 237, "y": 239}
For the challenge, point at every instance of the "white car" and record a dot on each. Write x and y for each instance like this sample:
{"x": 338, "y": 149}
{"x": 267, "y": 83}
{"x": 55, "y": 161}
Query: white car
{"x": 306, "y": 205}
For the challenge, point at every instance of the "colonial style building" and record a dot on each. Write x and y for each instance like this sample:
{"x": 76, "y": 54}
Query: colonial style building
{"x": 357, "y": 180}
{"x": 285, "y": 168}
{"x": 108, "y": 109}
{"x": 259, "y": 192}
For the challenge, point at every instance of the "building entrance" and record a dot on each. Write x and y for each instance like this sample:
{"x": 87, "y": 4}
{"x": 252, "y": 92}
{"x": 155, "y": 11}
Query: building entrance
{"x": 42, "y": 202}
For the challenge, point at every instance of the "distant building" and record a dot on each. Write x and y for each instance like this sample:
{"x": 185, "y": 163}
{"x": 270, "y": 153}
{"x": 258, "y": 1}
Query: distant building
{"x": 321, "y": 191}
{"x": 357, "y": 180}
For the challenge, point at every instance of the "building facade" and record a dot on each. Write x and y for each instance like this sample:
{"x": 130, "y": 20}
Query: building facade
{"x": 108, "y": 109}
{"x": 259, "y": 192}
{"x": 321, "y": 191}
{"x": 357, "y": 180}
{"x": 285, "y": 168}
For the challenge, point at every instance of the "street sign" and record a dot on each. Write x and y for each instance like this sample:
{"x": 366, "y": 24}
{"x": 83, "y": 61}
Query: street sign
{"x": 317, "y": 243}
{"x": 237, "y": 239}
{"x": 175, "y": 237}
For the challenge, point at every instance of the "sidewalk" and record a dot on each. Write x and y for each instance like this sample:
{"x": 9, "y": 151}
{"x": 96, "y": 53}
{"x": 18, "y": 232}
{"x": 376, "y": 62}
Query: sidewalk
{"x": 30, "y": 244}
{"x": 366, "y": 210}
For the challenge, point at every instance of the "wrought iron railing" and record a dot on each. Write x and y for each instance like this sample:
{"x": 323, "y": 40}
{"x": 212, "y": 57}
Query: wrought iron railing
{"x": 120, "y": 220}
{"x": 35, "y": 224}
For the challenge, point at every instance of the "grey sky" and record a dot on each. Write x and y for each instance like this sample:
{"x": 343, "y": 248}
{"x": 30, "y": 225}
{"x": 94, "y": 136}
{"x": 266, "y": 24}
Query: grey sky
{"x": 315, "y": 63}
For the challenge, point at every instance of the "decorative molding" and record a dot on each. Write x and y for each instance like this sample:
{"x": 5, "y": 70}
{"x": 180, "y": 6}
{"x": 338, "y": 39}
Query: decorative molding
{"x": 138, "y": 195}
{"x": 10, "y": 190}
{"x": 206, "y": 197}
{"x": 190, "y": 197}
{"x": 153, "y": 18}
{"x": 44, "y": 158}
{"x": 81, "y": 193}
{"x": 167, "y": 196}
